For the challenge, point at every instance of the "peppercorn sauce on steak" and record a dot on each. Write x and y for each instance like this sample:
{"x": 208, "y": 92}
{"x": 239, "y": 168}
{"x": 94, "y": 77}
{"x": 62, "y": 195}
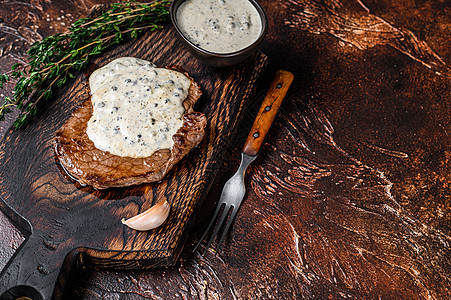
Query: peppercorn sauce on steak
{"x": 138, "y": 123}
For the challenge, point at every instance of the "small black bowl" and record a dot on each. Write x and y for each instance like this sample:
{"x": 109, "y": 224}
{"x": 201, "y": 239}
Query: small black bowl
{"x": 220, "y": 59}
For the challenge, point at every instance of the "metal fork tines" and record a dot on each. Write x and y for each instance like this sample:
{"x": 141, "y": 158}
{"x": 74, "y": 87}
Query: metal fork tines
{"x": 231, "y": 197}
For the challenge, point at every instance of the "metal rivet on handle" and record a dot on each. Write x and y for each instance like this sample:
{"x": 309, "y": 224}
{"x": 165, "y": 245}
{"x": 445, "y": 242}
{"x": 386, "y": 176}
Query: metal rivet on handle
{"x": 256, "y": 135}
{"x": 268, "y": 108}
{"x": 279, "y": 85}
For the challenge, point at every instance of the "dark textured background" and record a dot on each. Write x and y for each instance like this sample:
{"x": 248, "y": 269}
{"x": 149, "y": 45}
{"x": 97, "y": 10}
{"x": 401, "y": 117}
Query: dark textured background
{"x": 350, "y": 196}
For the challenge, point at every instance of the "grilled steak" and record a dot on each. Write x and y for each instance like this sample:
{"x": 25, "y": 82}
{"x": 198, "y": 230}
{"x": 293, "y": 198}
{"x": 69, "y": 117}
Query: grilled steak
{"x": 100, "y": 169}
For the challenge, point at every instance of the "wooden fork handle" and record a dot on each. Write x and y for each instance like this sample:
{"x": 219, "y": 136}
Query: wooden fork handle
{"x": 268, "y": 110}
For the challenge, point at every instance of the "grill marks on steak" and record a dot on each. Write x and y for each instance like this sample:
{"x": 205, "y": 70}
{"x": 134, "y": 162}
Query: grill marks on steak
{"x": 100, "y": 169}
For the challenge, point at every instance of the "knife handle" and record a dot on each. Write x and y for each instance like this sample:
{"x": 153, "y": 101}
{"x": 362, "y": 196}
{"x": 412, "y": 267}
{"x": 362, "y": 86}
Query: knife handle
{"x": 268, "y": 110}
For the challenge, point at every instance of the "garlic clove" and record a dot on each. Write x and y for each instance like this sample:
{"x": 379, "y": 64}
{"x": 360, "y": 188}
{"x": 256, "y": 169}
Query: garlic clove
{"x": 151, "y": 218}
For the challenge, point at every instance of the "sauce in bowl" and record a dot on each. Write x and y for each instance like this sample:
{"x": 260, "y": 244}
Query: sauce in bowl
{"x": 219, "y": 26}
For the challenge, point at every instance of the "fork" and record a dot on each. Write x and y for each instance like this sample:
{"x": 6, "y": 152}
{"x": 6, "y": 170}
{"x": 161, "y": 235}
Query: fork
{"x": 234, "y": 189}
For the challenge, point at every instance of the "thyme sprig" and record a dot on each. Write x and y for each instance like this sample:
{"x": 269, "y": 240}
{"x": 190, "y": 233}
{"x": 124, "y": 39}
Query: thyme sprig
{"x": 55, "y": 59}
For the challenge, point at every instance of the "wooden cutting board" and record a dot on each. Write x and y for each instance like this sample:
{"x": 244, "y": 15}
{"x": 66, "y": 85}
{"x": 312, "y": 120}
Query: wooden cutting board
{"x": 70, "y": 222}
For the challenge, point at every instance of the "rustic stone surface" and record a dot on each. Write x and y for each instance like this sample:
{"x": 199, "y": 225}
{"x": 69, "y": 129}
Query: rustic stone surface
{"x": 350, "y": 196}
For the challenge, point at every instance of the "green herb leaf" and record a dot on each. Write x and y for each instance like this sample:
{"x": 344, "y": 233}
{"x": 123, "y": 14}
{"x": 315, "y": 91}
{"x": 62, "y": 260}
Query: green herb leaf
{"x": 15, "y": 66}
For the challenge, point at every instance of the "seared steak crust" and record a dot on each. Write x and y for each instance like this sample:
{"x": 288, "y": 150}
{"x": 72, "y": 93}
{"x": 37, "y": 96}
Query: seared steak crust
{"x": 101, "y": 169}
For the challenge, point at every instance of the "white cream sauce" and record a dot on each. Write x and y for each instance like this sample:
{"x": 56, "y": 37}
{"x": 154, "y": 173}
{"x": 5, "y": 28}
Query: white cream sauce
{"x": 219, "y": 26}
{"x": 137, "y": 107}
